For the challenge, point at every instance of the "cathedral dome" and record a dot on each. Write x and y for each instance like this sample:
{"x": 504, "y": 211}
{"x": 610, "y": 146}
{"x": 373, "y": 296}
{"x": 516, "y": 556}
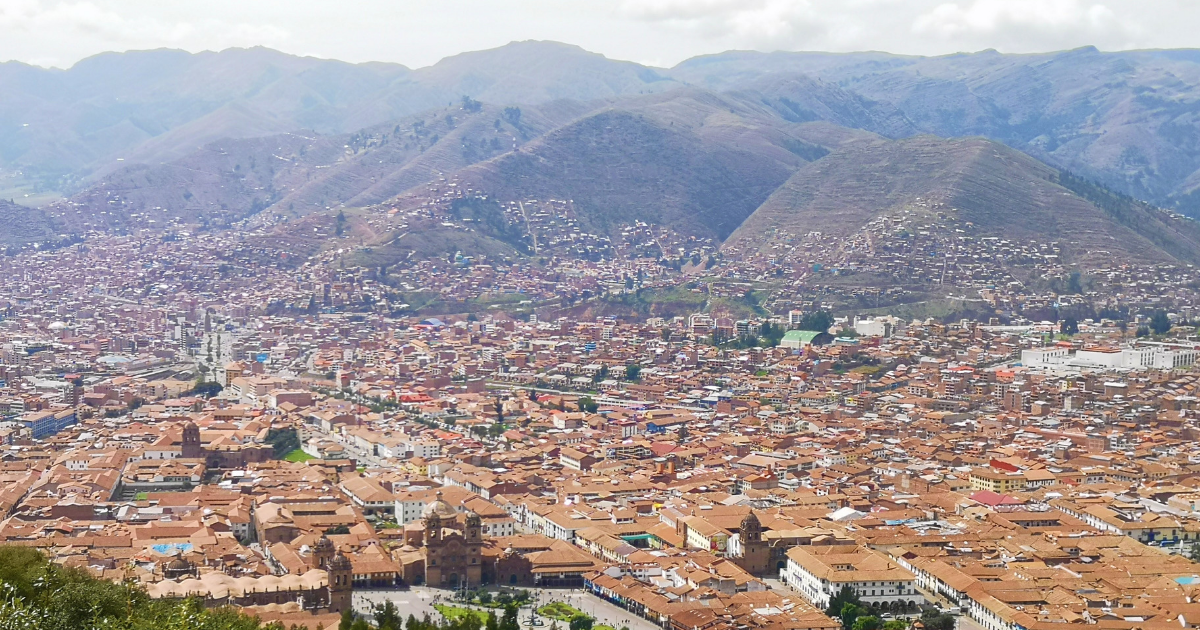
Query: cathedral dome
{"x": 339, "y": 562}
{"x": 440, "y": 508}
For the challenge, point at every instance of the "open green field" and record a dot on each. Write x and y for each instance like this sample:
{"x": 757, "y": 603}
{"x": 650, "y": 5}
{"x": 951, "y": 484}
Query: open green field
{"x": 298, "y": 456}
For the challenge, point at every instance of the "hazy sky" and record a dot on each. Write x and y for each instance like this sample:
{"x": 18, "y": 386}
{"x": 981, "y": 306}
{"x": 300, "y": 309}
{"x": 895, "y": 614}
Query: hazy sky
{"x": 659, "y": 32}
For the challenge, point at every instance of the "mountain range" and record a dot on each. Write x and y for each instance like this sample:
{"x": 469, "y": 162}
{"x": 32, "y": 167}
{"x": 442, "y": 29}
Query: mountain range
{"x": 717, "y": 146}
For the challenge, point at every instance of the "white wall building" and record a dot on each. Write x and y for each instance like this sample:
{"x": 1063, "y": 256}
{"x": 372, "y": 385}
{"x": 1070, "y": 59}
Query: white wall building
{"x": 1138, "y": 357}
{"x": 820, "y": 572}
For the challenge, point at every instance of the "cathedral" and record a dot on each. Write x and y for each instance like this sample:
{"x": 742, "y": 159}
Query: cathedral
{"x": 450, "y": 555}
{"x": 225, "y": 455}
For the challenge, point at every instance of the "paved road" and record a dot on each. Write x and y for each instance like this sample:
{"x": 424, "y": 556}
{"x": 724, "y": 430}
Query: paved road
{"x": 419, "y": 600}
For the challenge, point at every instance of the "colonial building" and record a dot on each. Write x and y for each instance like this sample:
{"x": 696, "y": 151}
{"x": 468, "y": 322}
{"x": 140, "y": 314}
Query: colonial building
{"x": 753, "y": 553}
{"x": 326, "y": 588}
{"x": 452, "y": 557}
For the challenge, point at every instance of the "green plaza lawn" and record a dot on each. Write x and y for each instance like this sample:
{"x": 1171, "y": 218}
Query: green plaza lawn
{"x": 298, "y": 456}
{"x": 454, "y": 612}
{"x": 559, "y": 610}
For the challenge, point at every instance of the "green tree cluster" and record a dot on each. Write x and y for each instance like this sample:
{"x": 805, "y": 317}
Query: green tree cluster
{"x": 818, "y": 321}
{"x": 633, "y": 372}
{"x": 935, "y": 620}
{"x": 283, "y": 441}
{"x": 587, "y": 405}
{"x": 1160, "y": 323}
{"x": 36, "y": 594}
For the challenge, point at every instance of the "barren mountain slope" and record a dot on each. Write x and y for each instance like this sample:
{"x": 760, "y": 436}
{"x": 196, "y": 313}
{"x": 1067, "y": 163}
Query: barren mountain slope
{"x": 62, "y": 126}
{"x": 691, "y": 160}
{"x": 983, "y": 185}
{"x": 1126, "y": 119}
{"x": 23, "y": 225}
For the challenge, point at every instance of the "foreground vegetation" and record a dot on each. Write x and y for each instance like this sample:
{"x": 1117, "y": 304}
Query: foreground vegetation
{"x": 36, "y": 594}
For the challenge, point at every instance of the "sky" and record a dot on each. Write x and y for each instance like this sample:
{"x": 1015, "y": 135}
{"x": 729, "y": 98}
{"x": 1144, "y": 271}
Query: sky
{"x": 662, "y": 33}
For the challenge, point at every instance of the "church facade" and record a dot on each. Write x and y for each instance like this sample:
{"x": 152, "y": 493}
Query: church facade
{"x": 453, "y": 558}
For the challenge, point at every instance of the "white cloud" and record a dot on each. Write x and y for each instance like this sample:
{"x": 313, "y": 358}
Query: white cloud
{"x": 767, "y": 22}
{"x": 1028, "y": 25}
{"x": 86, "y": 23}
{"x": 419, "y": 32}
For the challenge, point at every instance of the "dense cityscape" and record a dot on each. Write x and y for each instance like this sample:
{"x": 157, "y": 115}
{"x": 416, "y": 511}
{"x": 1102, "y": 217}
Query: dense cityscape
{"x": 355, "y": 316}
{"x": 186, "y": 413}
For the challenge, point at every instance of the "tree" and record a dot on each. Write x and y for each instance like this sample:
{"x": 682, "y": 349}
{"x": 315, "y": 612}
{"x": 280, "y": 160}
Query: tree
{"x": 499, "y": 406}
{"x": 348, "y": 619}
{"x": 471, "y": 105}
{"x": 1074, "y": 286}
{"x": 587, "y": 405}
{"x": 772, "y": 334}
{"x": 512, "y": 115}
{"x": 818, "y": 321}
{"x": 1069, "y": 326}
{"x": 600, "y": 374}
{"x": 387, "y": 617}
{"x": 38, "y": 594}
{"x": 1160, "y": 323}
{"x": 633, "y": 372}
{"x": 207, "y": 389}
{"x": 485, "y": 598}
{"x": 850, "y": 614}
{"x": 468, "y": 622}
{"x": 934, "y": 620}
{"x": 509, "y": 621}
{"x": 581, "y": 621}
{"x": 869, "y": 622}
{"x": 844, "y": 596}
{"x": 665, "y": 334}
{"x": 492, "y": 622}
{"x": 895, "y": 624}
{"x": 360, "y": 624}
{"x": 283, "y": 441}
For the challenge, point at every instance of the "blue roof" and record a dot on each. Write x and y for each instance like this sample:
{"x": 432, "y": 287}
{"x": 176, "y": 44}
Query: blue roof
{"x": 170, "y": 548}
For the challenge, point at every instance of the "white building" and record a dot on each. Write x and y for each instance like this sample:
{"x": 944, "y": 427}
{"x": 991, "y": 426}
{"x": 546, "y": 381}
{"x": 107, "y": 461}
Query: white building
{"x": 820, "y": 572}
{"x": 875, "y": 326}
{"x": 1143, "y": 356}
